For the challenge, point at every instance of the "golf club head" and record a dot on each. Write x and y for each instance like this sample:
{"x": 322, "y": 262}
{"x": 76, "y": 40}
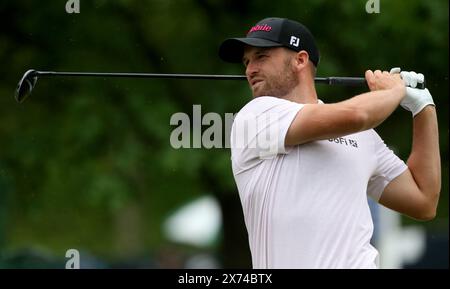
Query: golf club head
{"x": 26, "y": 85}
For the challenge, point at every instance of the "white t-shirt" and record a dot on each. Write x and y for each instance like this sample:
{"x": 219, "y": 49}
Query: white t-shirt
{"x": 306, "y": 206}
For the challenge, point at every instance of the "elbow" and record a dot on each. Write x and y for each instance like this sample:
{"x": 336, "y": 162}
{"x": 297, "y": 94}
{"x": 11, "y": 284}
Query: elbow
{"x": 426, "y": 215}
{"x": 428, "y": 211}
{"x": 361, "y": 119}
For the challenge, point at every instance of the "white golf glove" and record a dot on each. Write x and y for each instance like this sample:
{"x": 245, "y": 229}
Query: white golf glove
{"x": 415, "y": 99}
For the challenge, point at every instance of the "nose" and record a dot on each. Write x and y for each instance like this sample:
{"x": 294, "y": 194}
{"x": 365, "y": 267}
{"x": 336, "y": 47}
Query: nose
{"x": 251, "y": 70}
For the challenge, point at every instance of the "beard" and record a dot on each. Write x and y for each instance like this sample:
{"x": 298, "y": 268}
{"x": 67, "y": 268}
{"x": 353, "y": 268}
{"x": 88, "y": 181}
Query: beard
{"x": 278, "y": 84}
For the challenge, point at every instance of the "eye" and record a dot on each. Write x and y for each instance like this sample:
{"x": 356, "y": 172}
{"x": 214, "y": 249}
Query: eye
{"x": 261, "y": 56}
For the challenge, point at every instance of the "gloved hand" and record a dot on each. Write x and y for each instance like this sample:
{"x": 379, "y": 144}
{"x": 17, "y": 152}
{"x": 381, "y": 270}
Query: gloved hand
{"x": 415, "y": 99}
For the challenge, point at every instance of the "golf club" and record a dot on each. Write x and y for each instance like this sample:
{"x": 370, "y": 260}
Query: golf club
{"x": 29, "y": 79}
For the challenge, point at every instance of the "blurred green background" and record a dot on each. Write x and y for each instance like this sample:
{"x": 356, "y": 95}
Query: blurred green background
{"x": 86, "y": 163}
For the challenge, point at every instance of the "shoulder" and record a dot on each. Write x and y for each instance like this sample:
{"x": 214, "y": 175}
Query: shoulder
{"x": 379, "y": 146}
{"x": 263, "y": 104}
{"x": 371, "y": 137}
{"x": 376, "y": 138}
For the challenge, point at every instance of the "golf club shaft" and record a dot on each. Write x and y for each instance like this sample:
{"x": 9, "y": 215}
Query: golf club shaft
{"x": 29, "y": 79}
{"x": 348, "y": 81}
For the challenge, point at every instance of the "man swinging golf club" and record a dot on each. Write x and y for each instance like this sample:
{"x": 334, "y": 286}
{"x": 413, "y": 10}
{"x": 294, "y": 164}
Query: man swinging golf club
{"x": 304, "y": 169}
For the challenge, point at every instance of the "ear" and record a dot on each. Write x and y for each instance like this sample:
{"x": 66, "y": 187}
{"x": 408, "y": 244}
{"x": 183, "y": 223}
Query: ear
{"x": 301, "y": 59}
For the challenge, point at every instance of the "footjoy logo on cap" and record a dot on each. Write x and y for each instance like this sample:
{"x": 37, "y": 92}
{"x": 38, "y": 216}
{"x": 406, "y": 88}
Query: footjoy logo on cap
{"x": 294, "y": 41}
{"x": 264, "y": 27}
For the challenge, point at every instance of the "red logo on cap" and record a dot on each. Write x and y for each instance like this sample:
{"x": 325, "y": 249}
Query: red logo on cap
{"x": 264, "y": 27}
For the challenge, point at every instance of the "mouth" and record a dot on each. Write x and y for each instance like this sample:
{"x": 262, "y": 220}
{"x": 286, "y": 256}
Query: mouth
{"x": 253, "y": 82}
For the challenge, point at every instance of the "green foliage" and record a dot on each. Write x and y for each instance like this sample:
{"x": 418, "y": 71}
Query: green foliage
{"x": 81, "y": 152}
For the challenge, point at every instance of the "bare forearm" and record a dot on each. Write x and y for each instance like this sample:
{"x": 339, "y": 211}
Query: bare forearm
{"x": 376, "y": 106}
{"x": 424, "y": 160}
{"x": 362, "y": 112}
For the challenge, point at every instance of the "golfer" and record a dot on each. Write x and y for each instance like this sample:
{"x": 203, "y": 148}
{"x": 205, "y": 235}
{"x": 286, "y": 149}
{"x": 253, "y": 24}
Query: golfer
{"x": 304, "y": 169}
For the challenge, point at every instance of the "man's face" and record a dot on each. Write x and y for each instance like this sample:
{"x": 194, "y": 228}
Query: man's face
{"x": 269, "y": 71}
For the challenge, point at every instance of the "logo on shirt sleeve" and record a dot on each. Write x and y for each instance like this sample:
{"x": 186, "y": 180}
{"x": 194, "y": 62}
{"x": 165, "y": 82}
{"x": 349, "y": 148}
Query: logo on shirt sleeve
{"x": 344, "y": 141}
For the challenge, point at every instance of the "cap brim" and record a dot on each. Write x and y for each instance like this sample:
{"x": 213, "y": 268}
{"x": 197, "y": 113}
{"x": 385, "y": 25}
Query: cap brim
{"x": 232, "y": 50}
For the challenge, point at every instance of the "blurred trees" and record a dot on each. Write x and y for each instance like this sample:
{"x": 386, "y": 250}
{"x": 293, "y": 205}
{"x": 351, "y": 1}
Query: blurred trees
{"x": 81, "y": 154}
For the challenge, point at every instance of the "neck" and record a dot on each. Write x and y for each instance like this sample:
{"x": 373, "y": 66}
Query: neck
{"x": 304, "y": 92}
